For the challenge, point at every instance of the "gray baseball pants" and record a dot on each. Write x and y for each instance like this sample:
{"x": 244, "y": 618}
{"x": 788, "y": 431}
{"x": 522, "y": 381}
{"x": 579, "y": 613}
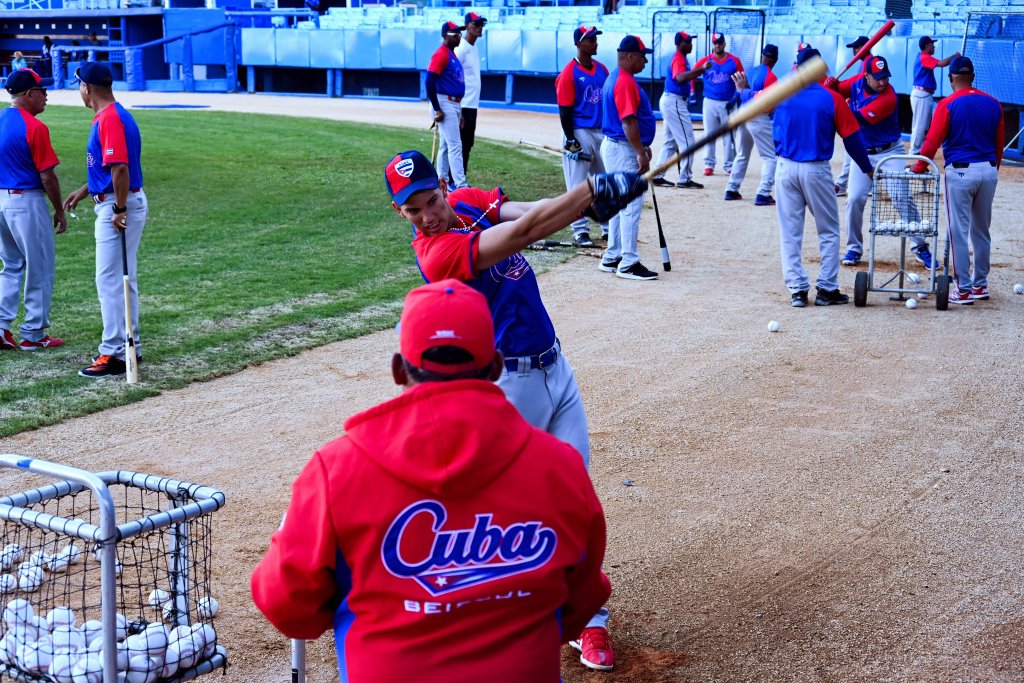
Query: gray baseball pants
{"x": 801, "y": 186}
{"x": 756, "y": 131}
{"x": 716, "y": 115}
{"x": 28, "y": 253}
{"x": 860, "y": 187}
{"x": 969, "y": 194}
{"x": 678, "y": 133}
{"x": 624, "y": 228}
{"x": 922, "y": 105}
{"x": 576, "y": 172}
{"x": 110, "y": 273}
{"x": 449, "y": 149}
{"x": 844, "y": 176}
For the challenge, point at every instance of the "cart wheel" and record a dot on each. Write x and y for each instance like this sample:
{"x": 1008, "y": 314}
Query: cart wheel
{"x": 860, "y": 290}
{"x": 942, "y": 292}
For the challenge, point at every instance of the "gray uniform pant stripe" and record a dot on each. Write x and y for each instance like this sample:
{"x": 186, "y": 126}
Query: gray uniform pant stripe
{"x": 678, "y": 133}
{"x": 969, "y": 194}
{"x": 801, "y": 186}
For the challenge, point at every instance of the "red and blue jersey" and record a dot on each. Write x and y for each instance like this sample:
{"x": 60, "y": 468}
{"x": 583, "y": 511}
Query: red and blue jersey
{"x": 451, "y": 80}
{"x": 113, "y": 139}
{"x": 521, "y": 323}
{"x": 581, "y": 89}
{"x": 758, "y": 78}
{"x": 806, "y": 124}
{"x": 718, "y": 83}
{"x": 876, "y": 111}
{"x": 969, "y": 126}
{"x": 411, "y": 536}
{"x": 679, "y": 65}
{"x": 924, "y": 72}
{"x": 25, "y": 150}
{"x": 623, "y": 97}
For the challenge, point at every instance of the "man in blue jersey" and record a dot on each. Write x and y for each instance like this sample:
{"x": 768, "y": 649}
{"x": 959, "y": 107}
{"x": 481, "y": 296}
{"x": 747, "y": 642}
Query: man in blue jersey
{"x": 675, "y": 110}
{"x": 628, "y": 126}
{"x": 719, "y": 93}
{"x": 27, "y": 247}
{"x": 805, "y": 127}
{"x": 922, "y": 102}
{"x": 844, "y": 177}
{"x": 757, "y": 130}
{"x": 578, "y": 91}
{"x": 476, "y": 236}
{"x": 446, "y": 86}
{"x": 969, "y": 126}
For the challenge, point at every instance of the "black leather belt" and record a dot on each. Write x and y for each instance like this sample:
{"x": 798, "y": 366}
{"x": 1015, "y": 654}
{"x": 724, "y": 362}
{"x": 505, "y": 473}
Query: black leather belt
{"x": 880, "y": 148}
{"x": 538, "y": 362}
{"x": 965, "y": 164}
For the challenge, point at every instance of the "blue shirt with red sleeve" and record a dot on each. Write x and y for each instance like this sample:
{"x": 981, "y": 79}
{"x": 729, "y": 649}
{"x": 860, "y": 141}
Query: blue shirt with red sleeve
{"x": 451, "y": 80}
{"x": 758, "y": 78}
{"x": 581, "y": 89}
{"x": 113, "y": 139}
{"x": 806, "y": 124}
{"x": 969, "y": 126}
{"x": 521, "y": 323}
{"x": 623, "y": 97}
{"x": 25, "y": 150}
{"x": 876, "y": 111}
{"x": 924, "y": 72}
{"x": 679, "y": 65}
{"x": 718, "y": 83}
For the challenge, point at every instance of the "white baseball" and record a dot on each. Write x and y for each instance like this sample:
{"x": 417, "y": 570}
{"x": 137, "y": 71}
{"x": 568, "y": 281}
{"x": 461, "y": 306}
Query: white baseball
{"x": 142, "y": 669}
{"x": 10, "y": 555}
{"x": 168, "y": 612}
{"x": 60, "y": 616}
{"x": 913, "y": 225}
{"x": 31, "y": 579}
{"x": 914, "y": 277}
{"x": 8, "y": 584}
{"x": 35, "y": 656}
{"x": 922, "y": 295}
{"x": 88, "y": 669}
{"x": 56, "y": 563}
{"x": 172, "y": 659}
{"x": 157, "y": 597}
{"x": 911, "y": 303}
{"x": 208, "y": 607}
{"x": 926, "y": 224}
{"x": 71, "y": 553}
{"x": 900, "y": 224}
{"x": 93, "y": 631}
{"x": 18, "y": 612}
{"x": 773, "y": 326}
{"x": 209, "y": 640}
{"x": 120, "y": 653}
{"x": 68, "y": 638}
{"x": 152, "y": 642}
{"x": 1018, "y": 288}
{"x": 62, "y": 665}
{"x": 120, "y": 627}
{"x": 40, "y": 558}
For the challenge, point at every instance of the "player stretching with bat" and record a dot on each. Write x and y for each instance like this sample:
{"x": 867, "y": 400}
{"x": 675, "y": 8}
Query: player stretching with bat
{"x": 476, "y": 236}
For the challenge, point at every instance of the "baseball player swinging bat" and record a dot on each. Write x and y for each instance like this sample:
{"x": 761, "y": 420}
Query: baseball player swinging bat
{"x": 813, "y": 71}
{"x": 584, "y": 156}
{"x": 866, "y": 48}
{"x": 131, "y": 363}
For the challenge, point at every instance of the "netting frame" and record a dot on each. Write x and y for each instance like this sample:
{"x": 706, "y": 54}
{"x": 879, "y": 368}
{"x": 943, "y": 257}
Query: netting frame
{"x": 15, "y": 508}
{"x": 755, "y": 58}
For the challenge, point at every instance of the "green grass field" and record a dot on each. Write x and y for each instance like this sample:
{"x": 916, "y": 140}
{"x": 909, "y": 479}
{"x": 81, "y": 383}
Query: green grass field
{"x": 266, "y": 236}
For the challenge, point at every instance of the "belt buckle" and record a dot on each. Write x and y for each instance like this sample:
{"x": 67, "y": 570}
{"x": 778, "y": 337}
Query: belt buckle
{"x": 98, "y": 198}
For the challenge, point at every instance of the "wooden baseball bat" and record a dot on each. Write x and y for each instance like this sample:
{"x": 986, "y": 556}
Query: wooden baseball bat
{"x": 866, "y": 48}
{"x": 537, "y": 145}
{"x": 131, "y": 363}
{"x": 811, "y": 71}
{"x": 433, "y": 148}
{"x": 557, "y": 243}
{"x": 666, "y": 262}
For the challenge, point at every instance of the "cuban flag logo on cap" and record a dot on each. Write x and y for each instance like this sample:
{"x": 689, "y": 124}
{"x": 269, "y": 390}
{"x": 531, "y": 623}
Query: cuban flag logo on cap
{"x": 879, "y": 64}
{"x": 405, "y": 167}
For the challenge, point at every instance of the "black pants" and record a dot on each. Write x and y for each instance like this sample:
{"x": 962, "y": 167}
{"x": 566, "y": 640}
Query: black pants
{"x": 468, "y": 135}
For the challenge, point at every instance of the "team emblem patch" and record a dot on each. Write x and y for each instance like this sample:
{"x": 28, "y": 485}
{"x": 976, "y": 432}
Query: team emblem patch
{"x": 459, "y": 558}
{"x": 879, "y": 64}
{"x": 405, "y": 167}
{"x": 110, "y": 151}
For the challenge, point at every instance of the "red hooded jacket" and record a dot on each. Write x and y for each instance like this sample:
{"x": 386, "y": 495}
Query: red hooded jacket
{"x": 444, "y": 539}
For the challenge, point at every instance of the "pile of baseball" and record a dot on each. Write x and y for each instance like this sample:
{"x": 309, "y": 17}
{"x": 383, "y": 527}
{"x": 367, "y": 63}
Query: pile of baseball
{"x": 29, "y": 575}
{"x": 70, "y": 653}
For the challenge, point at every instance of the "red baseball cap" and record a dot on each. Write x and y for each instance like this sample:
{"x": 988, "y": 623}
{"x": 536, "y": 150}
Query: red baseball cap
{"x": 446, "y": 313}
{"x": 683, "y": 37}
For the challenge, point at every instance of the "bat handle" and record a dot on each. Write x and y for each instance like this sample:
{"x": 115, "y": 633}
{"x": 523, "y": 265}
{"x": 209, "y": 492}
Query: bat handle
{"x": 131, "y": 363}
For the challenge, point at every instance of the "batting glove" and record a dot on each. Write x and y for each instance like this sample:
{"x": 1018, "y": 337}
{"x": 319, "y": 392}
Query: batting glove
{"x": 573, "y": 156}
{"x": 573, "y": 146}
{"x": 612, "y": 192}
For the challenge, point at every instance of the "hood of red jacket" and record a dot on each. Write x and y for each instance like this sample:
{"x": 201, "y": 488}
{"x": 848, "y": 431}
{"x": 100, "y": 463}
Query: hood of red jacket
{"x": 447, "y": 438}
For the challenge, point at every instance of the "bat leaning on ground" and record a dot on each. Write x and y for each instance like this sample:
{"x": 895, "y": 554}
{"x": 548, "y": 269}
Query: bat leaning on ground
{"x": 433, "y": 148}
{"x": 666, "y": 262}
{"x": 130, "y": 359}
{"x": 556, "y": 243}
{"x": 579, "y": 251}
{"x": 866, "y": 48}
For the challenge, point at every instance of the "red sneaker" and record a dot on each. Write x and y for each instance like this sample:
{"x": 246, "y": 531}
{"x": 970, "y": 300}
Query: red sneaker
{"x": 956, "y": 296}
{"x": 44, "y": 343}
{"x": 979, "y": 293}
{"x": 7, "y": 341}
{"x": 595, "y": 646}
{"x": 709, "y": 171}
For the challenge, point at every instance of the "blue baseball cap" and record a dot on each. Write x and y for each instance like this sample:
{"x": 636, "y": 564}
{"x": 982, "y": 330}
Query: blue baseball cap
{"x": 717, "y": 37}
{"x": 771, "y": 51}
{"x": 924, "y": 40}
{"x": 474, "y": 18}
{"x": 806, "y": 54}
{"x": 683, "y": 37}
{"x": 451, "y": 27}
{"x": 634, "y": 44}
{"x": 961, "y": 66}
{"x": 408, "y": 173}
{"x": 859, "y": 43}
{"x": 584, "y": 32}
{"x": 25, "y": 79}
{"x": 878, "y": 67}
{"x": 94, "y": 73}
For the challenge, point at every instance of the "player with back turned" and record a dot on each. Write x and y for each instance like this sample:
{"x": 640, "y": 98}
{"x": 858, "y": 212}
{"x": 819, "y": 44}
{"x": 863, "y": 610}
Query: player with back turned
{"x": 578, "y": 92}
{"x": 411, "y": 535}
{"x": 969, "y": 126}
{"x": 476, "y": 236}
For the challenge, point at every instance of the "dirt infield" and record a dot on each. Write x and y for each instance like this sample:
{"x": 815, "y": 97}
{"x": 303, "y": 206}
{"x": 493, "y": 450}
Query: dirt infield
{"x": 837, "y": 501}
